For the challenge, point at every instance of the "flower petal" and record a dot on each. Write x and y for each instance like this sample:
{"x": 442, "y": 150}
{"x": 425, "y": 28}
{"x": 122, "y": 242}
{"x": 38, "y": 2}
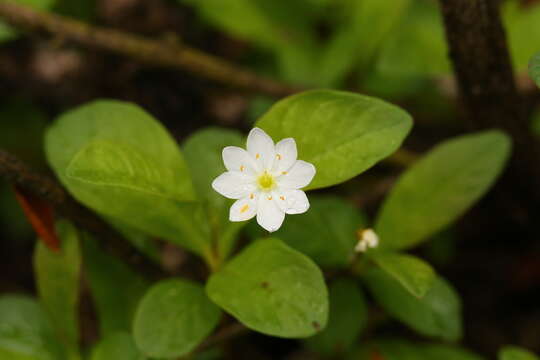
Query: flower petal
{"x": 292, "y": 201}
{"x": 286, "y": 154}
{"x": 261, "y": 147}
{"x": 298, "y": 176}
{"x": 238, "y": 159}
{"x": 244, "y": 209}
{"x": 234, "y": 185}
{"x": 269, "y": 215}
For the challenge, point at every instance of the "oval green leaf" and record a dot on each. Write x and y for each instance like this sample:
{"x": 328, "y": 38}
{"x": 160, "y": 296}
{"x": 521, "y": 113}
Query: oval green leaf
{"x": 440, "y": 187}
{"x": 58, "y": 278}
{"x": 413, "y": 273}
{"x": 117, "y": 346}
{"x": 326, "y": 233}
{"x": 397, "y": 349}
{"x": 348, "y": 316}
{"x": 516, "y": 353}
{"x": 118, "y": 160}
{"x": 348, "y": 46}
{"x": 272, "y": 289}
{"x": 417, "y": 46}
{"x": 437, "y": 314}
{"x": 202, "y": 151}
{"x": 342, "y": 134}
{"x": 25, "y": 331}
{"x": 173, "y": 318}
{"x": 116, "y": 289}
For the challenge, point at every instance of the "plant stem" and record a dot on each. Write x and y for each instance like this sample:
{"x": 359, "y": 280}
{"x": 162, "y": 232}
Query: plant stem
{"x": 482, "y": 64}
{"x": 18, "y": 173}
{"x": 150, "y": 51}
{"x": 223, "y": 335}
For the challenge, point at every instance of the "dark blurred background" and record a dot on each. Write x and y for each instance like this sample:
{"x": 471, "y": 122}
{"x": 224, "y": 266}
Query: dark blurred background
{"x": 491, "y": 256}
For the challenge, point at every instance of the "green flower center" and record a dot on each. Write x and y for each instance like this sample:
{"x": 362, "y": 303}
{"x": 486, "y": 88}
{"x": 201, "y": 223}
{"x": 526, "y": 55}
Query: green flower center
{"x": 266, "y": 182}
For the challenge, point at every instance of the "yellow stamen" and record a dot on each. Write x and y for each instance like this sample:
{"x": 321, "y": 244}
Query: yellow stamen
{"x": 244, "y": 209}
{"x": 257, "y": 156}
{"x": 269, "y": 198}
{"x": 283, "y": 173}
{"x": 266, "y": 181}
{"x": 251, "y": 196}
{"x": 278, "y": 156}
{"x": 242, "y": 167}
{"x": 282, "y": 197}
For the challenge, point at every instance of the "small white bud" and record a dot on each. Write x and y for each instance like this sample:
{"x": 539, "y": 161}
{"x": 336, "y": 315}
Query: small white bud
{"x": 367, "y": 238}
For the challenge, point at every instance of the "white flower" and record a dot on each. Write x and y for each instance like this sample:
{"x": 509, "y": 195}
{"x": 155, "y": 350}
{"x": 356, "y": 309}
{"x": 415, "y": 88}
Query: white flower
{"x": 265, "y": 180}
{"x": 366, "y": 239}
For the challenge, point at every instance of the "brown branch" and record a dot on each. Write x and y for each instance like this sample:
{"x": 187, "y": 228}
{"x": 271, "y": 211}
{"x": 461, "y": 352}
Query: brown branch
{"x": 18, "y": 173}
{"x": 155, "y": 52}
{"x": 481, "y": 60}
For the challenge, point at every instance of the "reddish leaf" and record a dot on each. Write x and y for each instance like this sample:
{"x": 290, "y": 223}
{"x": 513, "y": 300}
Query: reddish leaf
{"x": 40, "y": 215}
{"x": 375, "y": 355}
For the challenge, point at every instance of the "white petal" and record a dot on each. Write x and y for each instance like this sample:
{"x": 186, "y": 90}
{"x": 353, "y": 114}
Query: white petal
{"x": 238, "y": 159}
{"x": 234, "y": 185}
{"x": 269, "y": 215}
{"x": 292, "y": 201}
{"x": 261, "y": 147}
{"x": 244, "y": 209}
{"x": 286, "y": 154}
{"x": 298, "y": 176}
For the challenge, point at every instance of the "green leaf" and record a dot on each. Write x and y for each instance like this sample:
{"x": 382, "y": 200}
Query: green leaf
{"x": 521, "y": 23}
{"x": 326, "y": 233}
{"x": 25, "y": 331}
{"x": 413, "y": 273}
{"x": 516, "y": 353}
{"x": 115, "y": 288}
{"x": 117, "y": 346}
{"x": 202, "y": 151}
{"x": 286, "y": 29}
{"x": 58, "y": 277}
{"x": 272, "y": 289}
{"x": 143, "y": 242}
{"x": 440, "y": 187}
{"x": 397, "y": 349}
{"x": 173, "y": 317}
{"x": 359, "y": 33}
{"x": 269, "y": 24}
{"x": 534, "y": 68}
{"x": 417, "y": 47}
{"x": 116, "y": 159}
{"x": 347, "y": 133}
{"x": 7, "y": 32}
{"x": 347, "y": 317}
{"x": 437, "y": 314}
